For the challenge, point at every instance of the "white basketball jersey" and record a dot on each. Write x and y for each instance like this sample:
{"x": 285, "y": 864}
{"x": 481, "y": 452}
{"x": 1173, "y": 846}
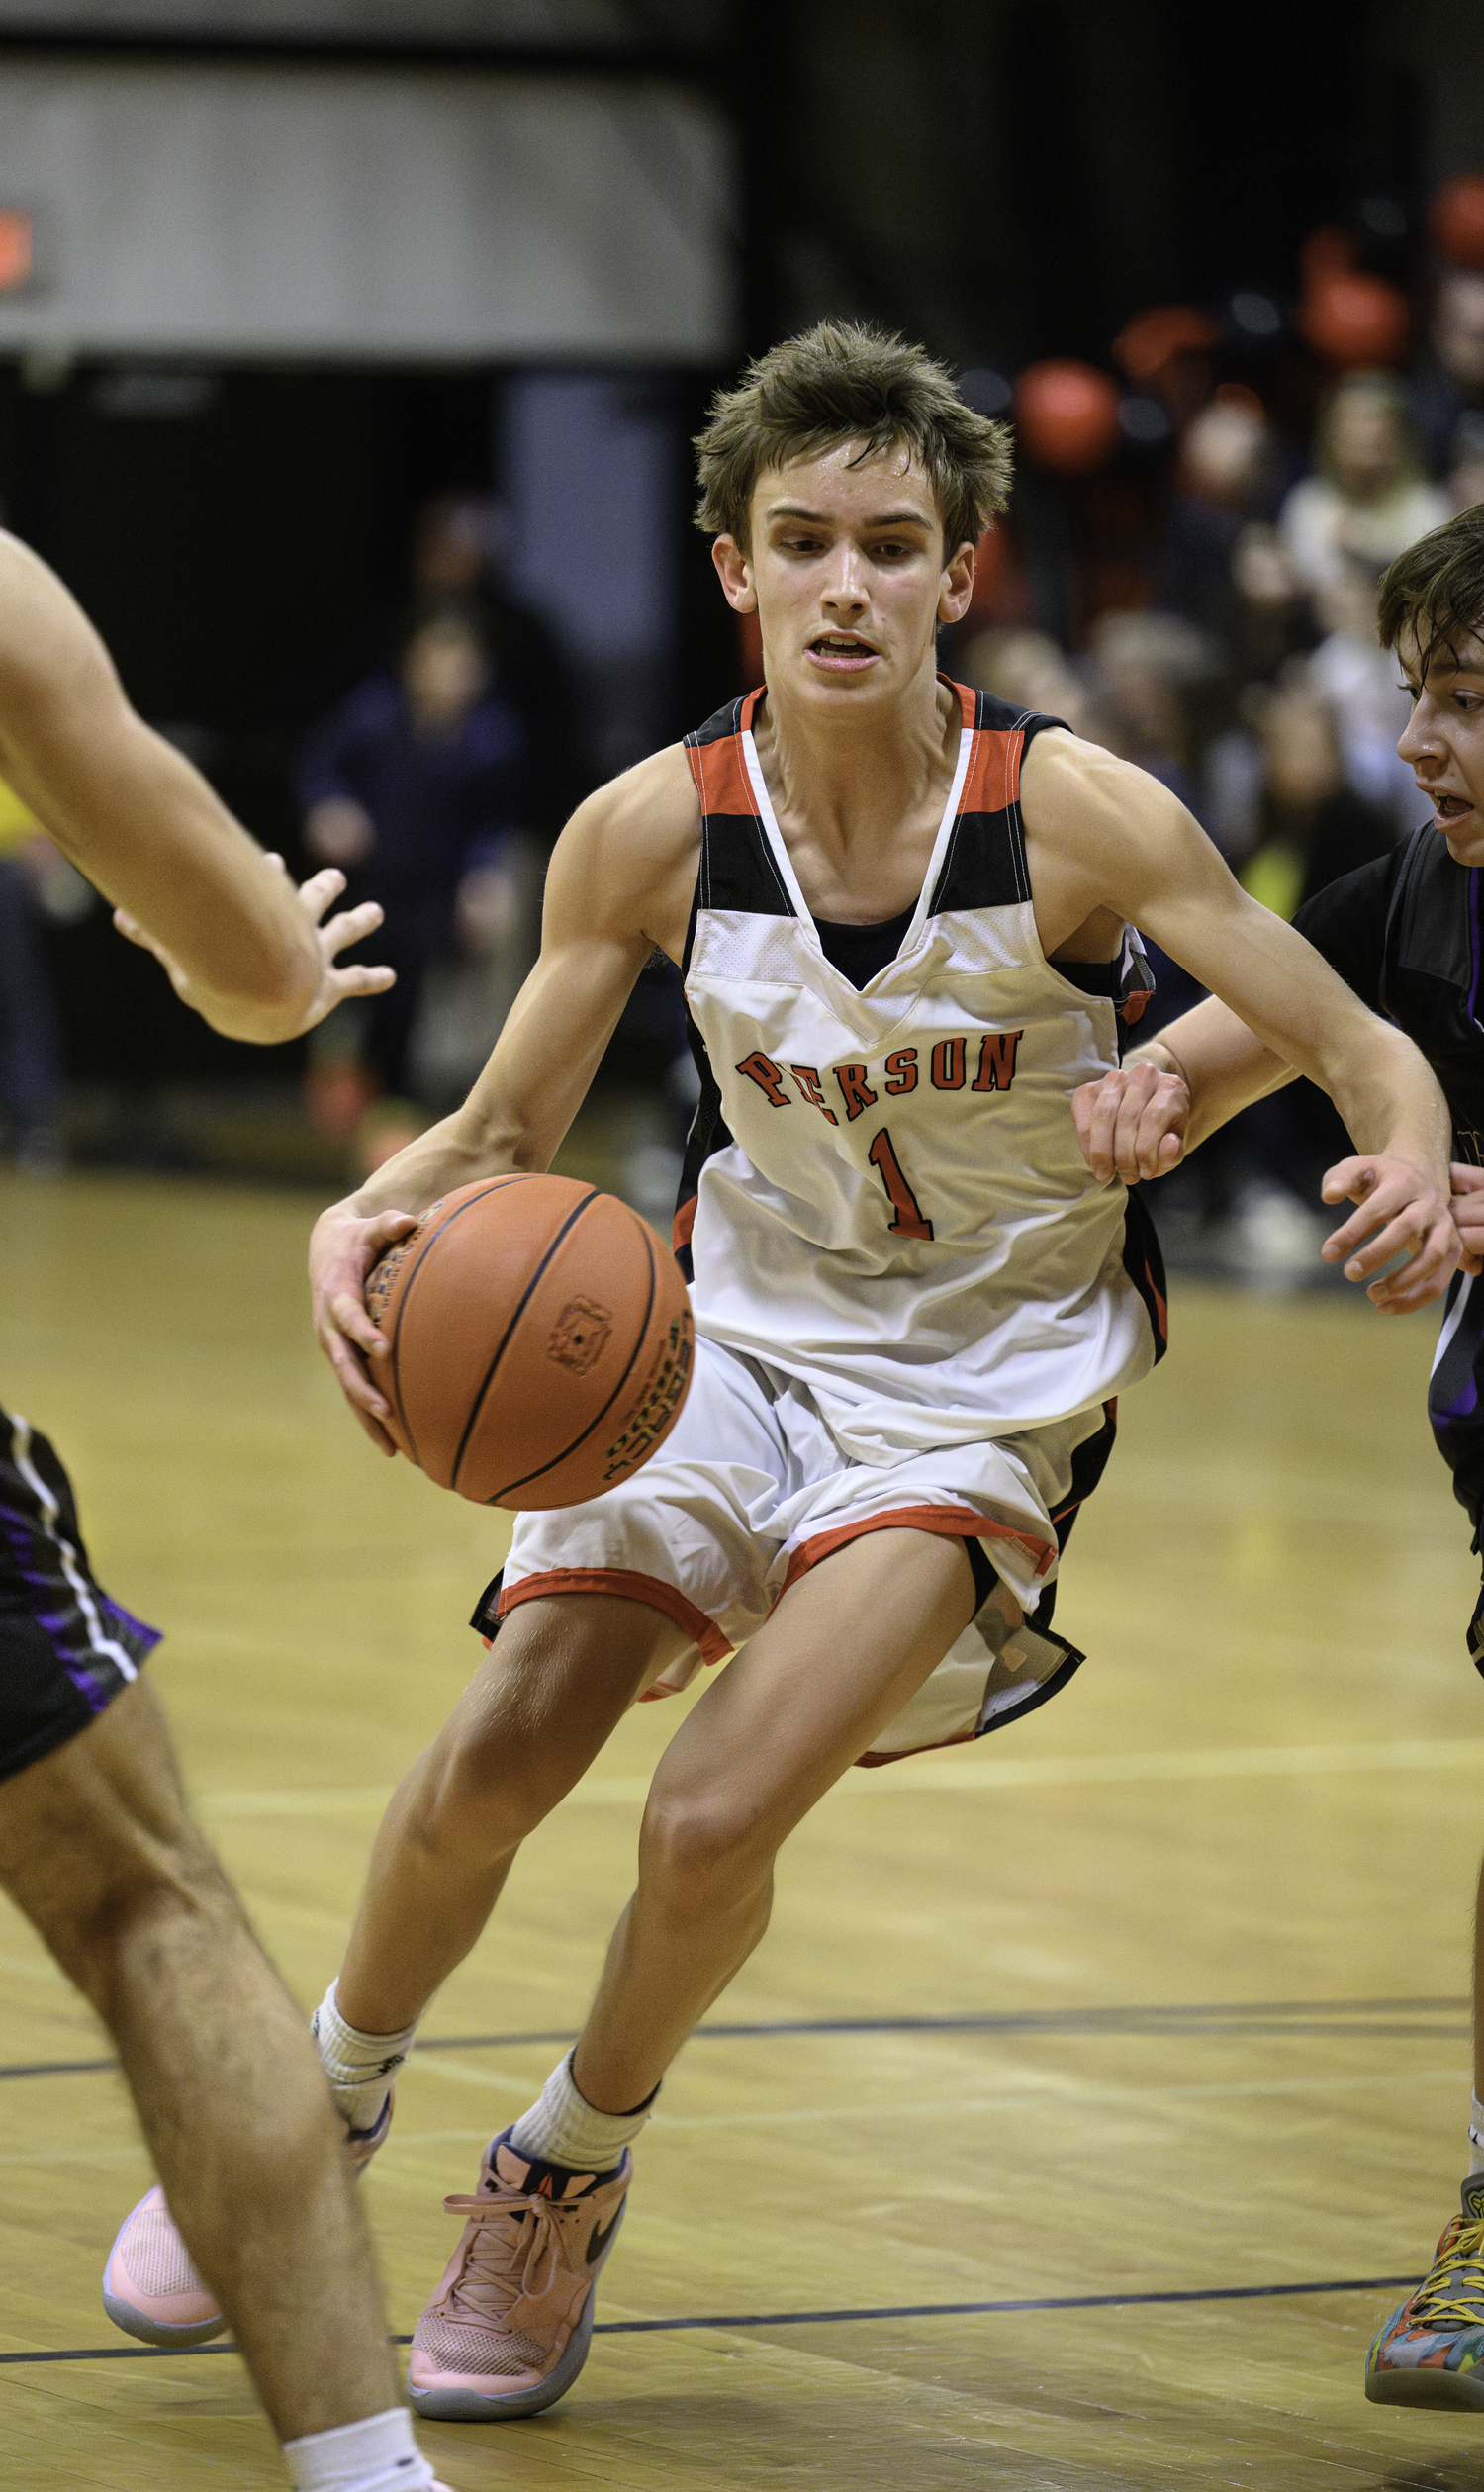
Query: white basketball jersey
{"x": 883, "y": 1193}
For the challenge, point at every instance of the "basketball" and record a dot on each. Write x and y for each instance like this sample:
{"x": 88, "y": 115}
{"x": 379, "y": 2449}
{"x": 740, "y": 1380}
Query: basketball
{"x": 541, "y": 1341}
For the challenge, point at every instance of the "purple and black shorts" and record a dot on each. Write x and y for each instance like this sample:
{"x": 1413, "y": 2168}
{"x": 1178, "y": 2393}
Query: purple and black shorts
{"x": 65, "y": 1649}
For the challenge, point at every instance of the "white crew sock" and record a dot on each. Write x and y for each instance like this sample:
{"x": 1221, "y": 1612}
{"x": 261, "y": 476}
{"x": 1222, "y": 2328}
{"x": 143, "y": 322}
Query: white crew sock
{"x": 561, "y": 2128}
{"x": 379, "y": 2455}
{"x": 1476, "y": 2136}
{"x": 360, "y": 2066}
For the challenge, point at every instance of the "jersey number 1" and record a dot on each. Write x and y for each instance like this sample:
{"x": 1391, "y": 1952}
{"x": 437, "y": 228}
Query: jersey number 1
{"x": 909, "y": 1221}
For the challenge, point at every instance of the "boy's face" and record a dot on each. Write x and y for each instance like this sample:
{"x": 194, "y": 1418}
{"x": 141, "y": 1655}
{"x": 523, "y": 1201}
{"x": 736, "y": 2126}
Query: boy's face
{"x": 1445, "y": 739}
{"x": 847, "y": 572}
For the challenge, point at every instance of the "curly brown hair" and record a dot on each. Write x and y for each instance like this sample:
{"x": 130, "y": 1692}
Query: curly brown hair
{"x": 843, "y": 381}
{"x": 1438, "y": 588}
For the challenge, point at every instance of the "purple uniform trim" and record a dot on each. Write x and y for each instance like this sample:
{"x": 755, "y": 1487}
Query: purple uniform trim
{"x": 67, "y": 1650}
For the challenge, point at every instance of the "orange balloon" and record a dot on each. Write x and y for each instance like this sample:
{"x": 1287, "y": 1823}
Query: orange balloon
{"x": 1066, "y": 415}
{"x": 1355, "y": 320}
{"x": 1148, "y": 342}
{"x": 1456, "y": 220}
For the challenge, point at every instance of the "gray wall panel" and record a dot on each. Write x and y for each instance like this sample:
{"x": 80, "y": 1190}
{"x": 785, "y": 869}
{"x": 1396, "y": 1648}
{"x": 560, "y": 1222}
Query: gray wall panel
{"x": 343, "y": 214}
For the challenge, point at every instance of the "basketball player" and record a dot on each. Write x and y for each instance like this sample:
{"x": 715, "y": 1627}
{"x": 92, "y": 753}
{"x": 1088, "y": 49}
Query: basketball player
{"x": 95, "y": 1843}
{"x": 1406, "y": 934}
{"x": 903, "y": 911}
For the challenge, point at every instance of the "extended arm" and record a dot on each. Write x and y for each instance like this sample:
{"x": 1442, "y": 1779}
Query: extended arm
{"x": 1278, "y": 1010}
{"x": 619, "y": 883}
{"x": 1171, "y": 1093}
{"x": 242, "y": 947}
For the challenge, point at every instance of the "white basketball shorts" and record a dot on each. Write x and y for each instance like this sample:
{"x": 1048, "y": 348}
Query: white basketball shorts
{"x": 750, "y": 1490}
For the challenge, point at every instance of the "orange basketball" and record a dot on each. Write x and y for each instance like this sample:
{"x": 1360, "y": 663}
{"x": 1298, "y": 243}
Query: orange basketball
{"x": 541, "y": 1341}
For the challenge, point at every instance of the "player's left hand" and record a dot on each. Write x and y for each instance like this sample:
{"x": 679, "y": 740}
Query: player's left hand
{"x": 1132, "y": 1124}
{"x": 1402, "y": 1212}
{"x": 336, "y": 984}
{"x": 1469, "y": 1213}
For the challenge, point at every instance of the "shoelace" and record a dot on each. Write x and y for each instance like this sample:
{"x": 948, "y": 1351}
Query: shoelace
{"x": 1453, "y": 2294}
{"x": 515, "y": 2250}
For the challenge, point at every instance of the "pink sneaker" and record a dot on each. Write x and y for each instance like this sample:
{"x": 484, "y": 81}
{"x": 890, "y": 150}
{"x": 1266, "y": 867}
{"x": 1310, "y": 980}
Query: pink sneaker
{"x": 508, "y": 2329}
{"x": 151, "y": 2285}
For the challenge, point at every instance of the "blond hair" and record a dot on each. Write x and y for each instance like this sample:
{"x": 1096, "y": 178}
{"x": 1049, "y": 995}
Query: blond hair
{"x": 844, "y": 382}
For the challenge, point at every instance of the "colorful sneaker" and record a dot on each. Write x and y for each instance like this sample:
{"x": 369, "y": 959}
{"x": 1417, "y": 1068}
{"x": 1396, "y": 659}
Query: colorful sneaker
{"x": 152, "y": 2288}
{"x": 508, "y": 2329}
{"x": 1430, "y": 2352}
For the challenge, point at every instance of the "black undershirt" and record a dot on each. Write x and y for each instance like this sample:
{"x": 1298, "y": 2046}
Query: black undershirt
{"x": 861, "y": 953}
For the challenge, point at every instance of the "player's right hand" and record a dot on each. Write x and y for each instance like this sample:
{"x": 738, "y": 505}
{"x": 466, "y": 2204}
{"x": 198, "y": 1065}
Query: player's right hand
{"x": 343, "y": 1249}
{"x": 1132, "y": 1124}
{"x": 1467, "y": 1208}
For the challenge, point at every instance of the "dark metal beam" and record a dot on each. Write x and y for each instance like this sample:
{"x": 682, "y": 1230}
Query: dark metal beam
{"x": 204, "y": 45}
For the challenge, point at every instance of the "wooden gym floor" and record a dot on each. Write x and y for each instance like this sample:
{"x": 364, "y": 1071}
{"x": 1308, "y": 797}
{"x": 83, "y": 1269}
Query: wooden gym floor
{"x": 1096, "y": 2089}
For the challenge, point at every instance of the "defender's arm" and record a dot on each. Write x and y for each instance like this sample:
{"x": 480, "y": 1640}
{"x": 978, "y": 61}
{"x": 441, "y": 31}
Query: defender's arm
{"x": 1169, "y": 1094}
{"x": 1105, "y": 838}
{"x": 143, "y": 826}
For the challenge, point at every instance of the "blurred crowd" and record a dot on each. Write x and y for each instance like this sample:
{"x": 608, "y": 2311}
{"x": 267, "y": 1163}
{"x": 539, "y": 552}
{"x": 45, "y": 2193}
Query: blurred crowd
{"x": 1188, "y": 577}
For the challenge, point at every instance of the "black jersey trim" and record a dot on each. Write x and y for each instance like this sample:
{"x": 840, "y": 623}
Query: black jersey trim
{"x": 985, "y": 867}
{"x": 738, "y": 869}
{"x": 1145, "y": 1266}
{"x": 708, "y": 1134}
{"x": 726, "y": 721}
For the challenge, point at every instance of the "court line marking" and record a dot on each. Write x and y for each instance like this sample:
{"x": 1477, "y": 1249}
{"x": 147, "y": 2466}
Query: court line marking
{"x": 814, "y": 2318}
{"x": 955, "y": 1771}
{"x": 1259, "y": 2017}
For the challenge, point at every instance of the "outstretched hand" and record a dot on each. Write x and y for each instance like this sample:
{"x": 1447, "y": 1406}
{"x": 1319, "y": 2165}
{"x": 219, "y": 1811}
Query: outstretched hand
{"x": 342, "y": 1252}
{"x": 1132, "y": 1124}
{"x": 335, "y": 985}
{"x": 1402, "y": 1212}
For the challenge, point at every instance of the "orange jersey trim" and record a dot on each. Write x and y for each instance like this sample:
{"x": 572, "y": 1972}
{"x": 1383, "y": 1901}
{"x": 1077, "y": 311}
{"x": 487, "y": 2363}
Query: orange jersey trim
{"x": 951, "y": 1522}
{"x": 703, "y": 1633}
{"x": 929, "y": 1748}
{"x": 720, "y": 771}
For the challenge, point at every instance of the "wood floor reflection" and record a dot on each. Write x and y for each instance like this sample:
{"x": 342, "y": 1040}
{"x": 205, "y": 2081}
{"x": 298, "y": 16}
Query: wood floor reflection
{"x": 1071, "y": 2063}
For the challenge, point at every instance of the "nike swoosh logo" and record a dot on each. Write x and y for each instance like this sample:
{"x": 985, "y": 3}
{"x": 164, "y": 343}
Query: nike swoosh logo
{"x": 599, "y": 2240}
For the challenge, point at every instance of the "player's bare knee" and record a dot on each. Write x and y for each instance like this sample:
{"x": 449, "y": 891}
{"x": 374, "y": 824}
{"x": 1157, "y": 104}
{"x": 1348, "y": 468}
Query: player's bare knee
{"x": 704, "y": 1850}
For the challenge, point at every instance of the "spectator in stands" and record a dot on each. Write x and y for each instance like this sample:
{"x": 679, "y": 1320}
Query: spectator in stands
{"x": 412, "y": 785}
{"x": 1227, "y": 475}
{"x": 1313, "y": 825}
{"x": 1359, "y": 680}
{"x": 457, "y": 554}
{"x": 1465, "y": 477}
{"x": 1153, "y": 678}
{"x": 1273, "y": 617}
{"x": 1369, "y": 496}
{"x": 1450, "y": 384}
{"x": 1029, "y": 668}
